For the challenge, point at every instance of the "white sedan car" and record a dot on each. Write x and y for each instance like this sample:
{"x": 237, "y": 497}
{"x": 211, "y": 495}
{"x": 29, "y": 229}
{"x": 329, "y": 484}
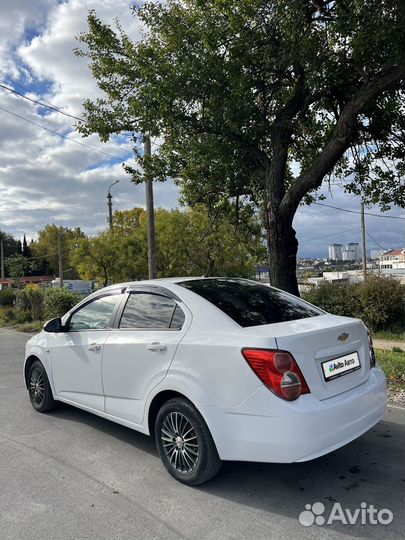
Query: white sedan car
{"x": 214, "y": 368}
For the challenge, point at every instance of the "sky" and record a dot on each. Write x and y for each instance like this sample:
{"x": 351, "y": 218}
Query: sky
{"x": 45, "y": 178}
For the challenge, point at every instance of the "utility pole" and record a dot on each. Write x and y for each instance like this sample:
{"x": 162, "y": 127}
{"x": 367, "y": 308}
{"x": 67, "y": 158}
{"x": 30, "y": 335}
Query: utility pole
{"x": 363, "y": 242}
{"x": 109, "y": 204}
{"x": 2, "y": 259}
{"x": 60, "y": 256}
{"x": 150, "y": 215}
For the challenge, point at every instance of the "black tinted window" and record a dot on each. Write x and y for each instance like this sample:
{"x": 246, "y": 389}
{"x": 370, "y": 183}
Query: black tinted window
{"x": 95, "y": 315}
{"x": 249, "y": 303}
{"x": 177, "y": 319}
{"x": 146, "y": 310}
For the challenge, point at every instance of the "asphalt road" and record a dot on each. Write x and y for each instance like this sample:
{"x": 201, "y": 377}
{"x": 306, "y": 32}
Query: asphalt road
{"x": 71, "y": 475}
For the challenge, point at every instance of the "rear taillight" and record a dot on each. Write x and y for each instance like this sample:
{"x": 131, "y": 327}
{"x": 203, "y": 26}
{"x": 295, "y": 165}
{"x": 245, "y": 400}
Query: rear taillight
{"x": 371, "y": 349}
{"x": 278, "y": 371}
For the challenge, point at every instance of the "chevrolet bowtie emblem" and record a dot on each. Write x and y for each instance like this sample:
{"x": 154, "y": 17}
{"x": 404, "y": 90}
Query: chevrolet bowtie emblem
{"x": 343, "y": 336}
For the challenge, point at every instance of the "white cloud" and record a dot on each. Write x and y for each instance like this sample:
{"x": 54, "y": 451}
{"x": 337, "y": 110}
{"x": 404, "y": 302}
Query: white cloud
{"x": 44, "y": 178}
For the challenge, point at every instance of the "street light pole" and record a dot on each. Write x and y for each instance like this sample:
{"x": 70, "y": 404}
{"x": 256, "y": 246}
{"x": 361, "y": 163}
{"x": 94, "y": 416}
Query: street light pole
{"x": 109, "y": 204}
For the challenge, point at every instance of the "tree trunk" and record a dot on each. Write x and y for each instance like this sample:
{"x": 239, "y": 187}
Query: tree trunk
{"x": 282, "y": 250}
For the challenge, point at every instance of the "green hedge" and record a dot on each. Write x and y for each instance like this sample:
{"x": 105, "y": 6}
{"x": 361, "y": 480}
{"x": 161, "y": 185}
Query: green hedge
{"x": 7, "y": 296}
{"x": 378, "y": 301}
{"x": 58, "y": 301}
{"x": 36, "y": 304}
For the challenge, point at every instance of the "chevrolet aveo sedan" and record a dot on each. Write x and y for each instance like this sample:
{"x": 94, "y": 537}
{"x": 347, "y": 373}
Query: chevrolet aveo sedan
{"x": 214, "y": 368}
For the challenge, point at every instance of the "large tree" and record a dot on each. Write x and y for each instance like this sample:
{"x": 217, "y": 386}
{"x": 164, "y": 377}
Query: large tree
{"x": 46, "y": 248}
{"x": 190, "y": 242}
{"x": 259, "y": 101}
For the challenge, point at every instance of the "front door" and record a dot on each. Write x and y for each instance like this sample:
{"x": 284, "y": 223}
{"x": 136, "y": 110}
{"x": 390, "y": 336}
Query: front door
{"x": 77, "y": 353}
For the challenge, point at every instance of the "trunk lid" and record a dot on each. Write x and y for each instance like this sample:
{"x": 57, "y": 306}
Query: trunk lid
{"x": 325, "y": 338}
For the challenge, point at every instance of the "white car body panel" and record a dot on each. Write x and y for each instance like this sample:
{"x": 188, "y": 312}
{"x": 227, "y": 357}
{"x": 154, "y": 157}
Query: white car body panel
{"x": 76, "y": 366}
{"x": 203, "y": 362}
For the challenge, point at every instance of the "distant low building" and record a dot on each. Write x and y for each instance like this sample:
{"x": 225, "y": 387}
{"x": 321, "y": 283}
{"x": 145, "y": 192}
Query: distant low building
{"x": 26, "y": 280}
{"x": 393, "y": 259}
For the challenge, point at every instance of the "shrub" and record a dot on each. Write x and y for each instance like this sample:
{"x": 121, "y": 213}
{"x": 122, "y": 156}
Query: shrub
{"x": 381, "y": 302}
{"x": 334, "y": 298}
{"x": 7, "y": 316}
{"x": 58, "y": 302}
{"x": 378, "y": 301}
{"x": 30, "y": 302}
{"x": 7, "y": 296}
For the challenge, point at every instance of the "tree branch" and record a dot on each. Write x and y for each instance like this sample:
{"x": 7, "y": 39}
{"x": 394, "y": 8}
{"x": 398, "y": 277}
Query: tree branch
{"x": 339, "y": 142}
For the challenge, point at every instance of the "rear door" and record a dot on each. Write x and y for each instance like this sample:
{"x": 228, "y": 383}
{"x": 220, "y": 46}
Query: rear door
{"x": 138, "y": 353}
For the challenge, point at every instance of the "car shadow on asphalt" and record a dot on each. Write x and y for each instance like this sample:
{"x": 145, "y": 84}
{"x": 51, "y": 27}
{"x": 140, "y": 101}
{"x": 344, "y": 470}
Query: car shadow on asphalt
{"x": 370, "y": 470}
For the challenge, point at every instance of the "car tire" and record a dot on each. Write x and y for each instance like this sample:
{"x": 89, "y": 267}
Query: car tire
{"x": 39, "y": 389}
{"x": 185, "y": 444}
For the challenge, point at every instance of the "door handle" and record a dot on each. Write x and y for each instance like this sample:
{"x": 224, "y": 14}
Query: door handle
{"x": 94, "y": 347}
{"x": 156, "y": 347}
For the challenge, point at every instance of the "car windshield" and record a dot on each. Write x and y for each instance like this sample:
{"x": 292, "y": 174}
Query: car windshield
{"x": 249, "y": 303}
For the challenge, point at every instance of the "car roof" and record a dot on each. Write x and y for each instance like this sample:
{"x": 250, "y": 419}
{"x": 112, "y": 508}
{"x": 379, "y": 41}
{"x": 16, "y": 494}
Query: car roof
{"x": 168, "y": 280}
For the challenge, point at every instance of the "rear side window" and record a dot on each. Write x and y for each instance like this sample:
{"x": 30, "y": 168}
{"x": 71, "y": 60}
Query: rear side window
{"x": 151, "y": 311}
{"x": 249, "y": 303}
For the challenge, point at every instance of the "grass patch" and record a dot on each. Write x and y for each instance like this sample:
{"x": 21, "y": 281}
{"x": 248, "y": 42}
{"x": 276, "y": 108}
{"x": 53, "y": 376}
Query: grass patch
{"x": 393, "y": 365}
{"x": 390, "y": 336}
{"x": 33, "y": 327}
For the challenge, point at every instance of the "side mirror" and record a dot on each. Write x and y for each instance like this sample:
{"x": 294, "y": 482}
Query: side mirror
{"x": 54, "y": 325}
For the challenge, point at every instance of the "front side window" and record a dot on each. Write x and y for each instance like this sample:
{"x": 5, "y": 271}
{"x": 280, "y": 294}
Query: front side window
{"x": 95, "y": 315}
{"x": 151, "y": 311}
{"x": 249, "y": 303}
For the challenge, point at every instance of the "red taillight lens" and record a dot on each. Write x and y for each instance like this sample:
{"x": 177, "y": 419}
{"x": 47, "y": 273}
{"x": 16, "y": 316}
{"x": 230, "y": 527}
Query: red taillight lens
{"x": 278, "y": 371}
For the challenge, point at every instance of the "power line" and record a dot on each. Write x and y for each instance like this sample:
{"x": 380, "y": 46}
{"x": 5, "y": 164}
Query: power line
{"x": 59, "y": 134}
{"x": 38, "y": 257}
{"x": 357, "y": 212}
{"x": 375, "y": 241}
{"x": 332, "y": 234}
{"x": 42, "y": 104}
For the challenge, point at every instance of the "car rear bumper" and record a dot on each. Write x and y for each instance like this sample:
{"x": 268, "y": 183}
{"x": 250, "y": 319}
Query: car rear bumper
{"x": 268, "y": 429}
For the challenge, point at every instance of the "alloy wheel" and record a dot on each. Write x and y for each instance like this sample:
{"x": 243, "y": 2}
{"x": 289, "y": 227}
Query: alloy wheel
{"x": 37, "y": 386}
{"x": 180, "y": 443}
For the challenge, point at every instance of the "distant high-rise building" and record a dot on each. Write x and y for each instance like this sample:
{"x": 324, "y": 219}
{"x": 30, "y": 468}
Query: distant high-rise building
{"x": 351, "y": 252}
{"x": 376, "y": 253}
{"x": 336, "y": 252}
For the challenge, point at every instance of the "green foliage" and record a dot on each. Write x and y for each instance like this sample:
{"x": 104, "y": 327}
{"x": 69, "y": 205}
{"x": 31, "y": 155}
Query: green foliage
{"x": 243, "y": 94}
{"x": 393, "y": 365}
{"x": 334, "y": 298}
{"x": 398, "y": 335}
{"x": 383, "y": 303}
{"x": 7, "y": 316}
{"x": 18, "y": 266}
{"x": 30, "y": 327}
{"x": 379, "y": 302}
{"x": 57, "y": 301}
{"x": 46, "y": 246}
{"x": 7, "y": 296}
{"x": 29, "y": 303}
{"x": 189, "y": 242}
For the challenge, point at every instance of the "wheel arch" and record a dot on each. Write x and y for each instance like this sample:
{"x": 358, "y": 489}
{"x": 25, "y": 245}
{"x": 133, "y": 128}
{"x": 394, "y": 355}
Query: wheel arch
{"x": 27, "y": 366}
{"x": 157, "y": 402}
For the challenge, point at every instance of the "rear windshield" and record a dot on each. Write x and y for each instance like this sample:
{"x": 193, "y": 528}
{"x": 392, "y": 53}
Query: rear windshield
{"x": 249, "y": 303}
